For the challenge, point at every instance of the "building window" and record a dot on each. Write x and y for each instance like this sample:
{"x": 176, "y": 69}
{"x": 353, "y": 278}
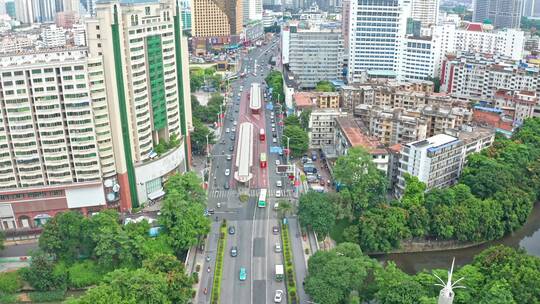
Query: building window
{"x": 153, "y": 185}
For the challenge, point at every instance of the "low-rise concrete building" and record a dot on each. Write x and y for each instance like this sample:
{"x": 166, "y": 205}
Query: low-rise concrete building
{"x": 321, "y": 128}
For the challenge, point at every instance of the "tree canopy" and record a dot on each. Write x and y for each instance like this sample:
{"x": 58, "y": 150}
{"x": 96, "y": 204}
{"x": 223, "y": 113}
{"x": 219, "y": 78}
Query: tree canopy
{"x": 198, "y": 137}
{"x": 298, "y": 139}
{"x": 497, "y": 275}
{"x": 316, "y": 211}
{"x": 274, "y": 80}
{"x": 325, "y": 86}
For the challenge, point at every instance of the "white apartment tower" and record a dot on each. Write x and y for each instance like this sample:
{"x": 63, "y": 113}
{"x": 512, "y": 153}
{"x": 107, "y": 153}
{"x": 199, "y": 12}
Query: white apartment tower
{"x": 377, "y": 28}
{"x": 425, "y": 11}
{"x": 252, "y": 10}
{"x": 147, "y": 78}
{"x": 54, "y": 37}
{"x": 51, "y": 159}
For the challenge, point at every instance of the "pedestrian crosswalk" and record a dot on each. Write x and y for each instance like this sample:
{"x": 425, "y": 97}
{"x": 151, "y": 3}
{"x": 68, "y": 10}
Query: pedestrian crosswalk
{"x": 225, "y": 194}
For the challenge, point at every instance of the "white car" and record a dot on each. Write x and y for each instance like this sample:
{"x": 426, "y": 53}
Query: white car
{"x": 233, "y": 129}
{"x": 277, "y": 248}
{"x": 274, "y": 140}
{"x": 278, "y": 162}
{"x": 273, "y": 125}
{"x": 219, "y": 205}
{"x": 235, "y": 123}
{"x": 278, "y": 296}
{"x": 227, "y": 130}
{"x": 278, "y": 193}
{"x": 227, "y": 172}
{"x": 278, "y": 183}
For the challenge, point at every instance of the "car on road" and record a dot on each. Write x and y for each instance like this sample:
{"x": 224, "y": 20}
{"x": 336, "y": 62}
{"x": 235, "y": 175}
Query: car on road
{"x": 274, "y": 134}
{"x": 211, "y": 211}
{"x": 234, "y": 251}
{"x": 233, "y": 129}
{"x": 229, "y": 157}
{"x": 231, "y": 148}
{"x": 272, "y": 120}
{"x": 226, "y": 186}
{"x": 235, "y": 123}
{"x": 278, "y": 162}
{"x": 275, "y": 230}
{"x": 278, "y": 183}
{"x": 278, "y": 296}
{"x": 231, "y": 230}
{"x": 243, "y": 274}
{"x": 227, "y": 130}
{"x": 231, "y": 119}
{"x": 278, "y": 193}
{"x": 218, "y": 205}
{"x": 232, "y": 137}
{"x": 273, "y": 125}
{"x": 277, "y": 248}
{"x": 227, "y": 172}
{"x": 273, "y": 129}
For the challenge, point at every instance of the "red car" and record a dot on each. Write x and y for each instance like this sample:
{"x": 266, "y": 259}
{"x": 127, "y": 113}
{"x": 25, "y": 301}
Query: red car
{"x": 322, "y": 182}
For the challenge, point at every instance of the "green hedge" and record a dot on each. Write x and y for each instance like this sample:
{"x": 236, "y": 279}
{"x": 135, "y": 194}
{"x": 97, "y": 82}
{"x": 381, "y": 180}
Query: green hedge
{"x": 218, "y": 271}
{"x": 290, "y": 279}
{"x": 10, "y": 282}
{"x": 47, "y": 296}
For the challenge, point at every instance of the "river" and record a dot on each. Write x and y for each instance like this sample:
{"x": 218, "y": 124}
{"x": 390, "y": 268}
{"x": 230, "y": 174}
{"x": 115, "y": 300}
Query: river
{"x": 527, "y": 237}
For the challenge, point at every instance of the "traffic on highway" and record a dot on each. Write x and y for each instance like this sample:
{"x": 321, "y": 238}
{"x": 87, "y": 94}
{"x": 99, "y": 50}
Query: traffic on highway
{"x": 242, "y": 164}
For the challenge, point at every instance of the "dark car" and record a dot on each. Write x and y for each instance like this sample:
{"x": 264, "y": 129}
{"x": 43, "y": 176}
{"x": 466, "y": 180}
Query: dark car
{"x": 231, "y": 230}
{"x": 231, "y": 148}
{"x": 226, "y": 186}
{"x": 211, "y": 211}
{"x": 275, "y": 230}
{"x": 233, "y": 137}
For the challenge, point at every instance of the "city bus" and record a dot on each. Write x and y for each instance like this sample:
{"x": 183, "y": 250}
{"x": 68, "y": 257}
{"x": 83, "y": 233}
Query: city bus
{"x": 263, "y": 160}
{"x": 262, "y": 199}
{"x": 262, "y": 136}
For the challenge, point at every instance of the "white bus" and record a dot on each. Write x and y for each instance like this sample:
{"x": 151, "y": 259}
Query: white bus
{"x": 262, "y": 199}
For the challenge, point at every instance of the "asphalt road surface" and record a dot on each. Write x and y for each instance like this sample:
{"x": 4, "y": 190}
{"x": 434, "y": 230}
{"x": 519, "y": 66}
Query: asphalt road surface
{"x": 253, "y": 226}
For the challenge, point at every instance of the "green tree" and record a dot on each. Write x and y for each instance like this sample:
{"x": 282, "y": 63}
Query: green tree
{"x": 396, "y": 287}
{"x": 189, "y": 185}
{"x": 179, "y": 283}
{"x": 182, "y": 220}
{"x": 335, "y": 274}
{"x": 497, "y": 292}
{"x": 292, "y": 120}
{"x": 63, "y": 236}
{"x": 325, "y": 86}
{"x": 42, "y": 275}
{"x": 298, "y": 140}
{"x": 284, "y": 208}
{"x": 196, "y": 79}
{"x": 382, "y": 228}
{"x": 198, "y": 137}
{"x": 315, "y": 210}
{"x": 128, "y": 287}
{"x": 274, "y": 80}
{"x": 304, "y": 119}
{"x": 365, "y": 185}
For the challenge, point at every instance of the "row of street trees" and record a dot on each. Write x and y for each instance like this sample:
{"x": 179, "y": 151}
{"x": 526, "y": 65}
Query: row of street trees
{"x": 498, "y": 275}
{"x": 198, "y": 77}
{"x": 494, "y": 196}
{"x": 202, "y": 115}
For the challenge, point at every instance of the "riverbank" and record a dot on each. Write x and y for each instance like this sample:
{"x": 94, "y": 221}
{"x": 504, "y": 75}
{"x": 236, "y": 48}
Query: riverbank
{"x": 414, "y": 246}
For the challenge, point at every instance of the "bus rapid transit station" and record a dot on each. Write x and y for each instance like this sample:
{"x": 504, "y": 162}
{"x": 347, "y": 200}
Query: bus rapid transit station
{"x": 255, "y": 98}
{"x": 244, "y": 153}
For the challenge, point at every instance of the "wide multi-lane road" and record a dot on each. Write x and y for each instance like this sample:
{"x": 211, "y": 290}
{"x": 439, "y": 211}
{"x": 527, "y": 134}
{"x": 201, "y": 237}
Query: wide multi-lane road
{"x": 253, "y": 235}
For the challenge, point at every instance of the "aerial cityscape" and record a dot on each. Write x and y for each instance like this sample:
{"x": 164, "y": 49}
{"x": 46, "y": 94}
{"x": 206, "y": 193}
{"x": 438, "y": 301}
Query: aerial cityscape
{"x": 270, "y": 151}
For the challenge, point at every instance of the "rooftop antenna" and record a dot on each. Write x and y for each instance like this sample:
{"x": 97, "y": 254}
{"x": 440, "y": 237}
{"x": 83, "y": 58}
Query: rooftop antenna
{"x": 446, "y": 296}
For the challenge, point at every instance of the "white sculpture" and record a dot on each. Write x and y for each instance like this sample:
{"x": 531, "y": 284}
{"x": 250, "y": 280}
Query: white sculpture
{"x": 446, "y": 296}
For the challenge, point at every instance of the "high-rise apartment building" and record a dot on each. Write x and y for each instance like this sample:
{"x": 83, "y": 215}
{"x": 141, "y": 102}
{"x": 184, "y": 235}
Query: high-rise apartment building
{"x": 501, "y": 13}
{"x": 44, "y": 10}
{"x": 51, "y": 159}
{"x": 54, "y": 36}
{"x": 377, "y": 28}
{"x": 147, "y": 79}
{"x": 252, "y": 10}
{"x": 531, "y": 8}
{"x": 80, "y": 127}
{"x": 216, "y": 18}
{"x": 314, "y": 53}
{"x": 24, "y": 12}
{"x": 425, "y": 11}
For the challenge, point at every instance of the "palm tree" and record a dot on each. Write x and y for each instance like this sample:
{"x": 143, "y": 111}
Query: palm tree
{"x": 284, "y": 207}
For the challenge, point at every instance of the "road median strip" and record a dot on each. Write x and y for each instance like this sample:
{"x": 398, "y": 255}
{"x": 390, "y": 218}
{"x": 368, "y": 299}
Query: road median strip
{"x": 290, "y": 276}
{"x": 218, "y": 271}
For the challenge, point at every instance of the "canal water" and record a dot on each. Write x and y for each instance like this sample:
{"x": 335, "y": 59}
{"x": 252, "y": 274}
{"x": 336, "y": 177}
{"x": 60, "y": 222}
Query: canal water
{"x": 528, "y": 238}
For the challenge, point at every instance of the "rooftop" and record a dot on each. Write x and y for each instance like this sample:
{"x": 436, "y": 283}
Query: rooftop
{"x": 356, "y": 138}
{"x": 434, "y": 141}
